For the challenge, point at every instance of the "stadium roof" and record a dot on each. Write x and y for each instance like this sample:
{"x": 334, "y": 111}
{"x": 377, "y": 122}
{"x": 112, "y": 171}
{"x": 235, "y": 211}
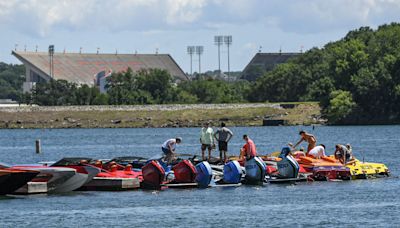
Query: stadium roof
{"x": 81, "y": 68}
{"x": 267, "y": 61}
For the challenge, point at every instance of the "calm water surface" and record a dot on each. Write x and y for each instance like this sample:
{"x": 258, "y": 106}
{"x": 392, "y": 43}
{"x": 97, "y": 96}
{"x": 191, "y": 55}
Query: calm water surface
{"x": 358, "y": 203}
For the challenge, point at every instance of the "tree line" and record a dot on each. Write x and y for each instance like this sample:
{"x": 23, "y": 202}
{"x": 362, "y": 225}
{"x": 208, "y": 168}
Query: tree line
{"x": 11, "y": 79}
{"x": 147, "y": 86}
{"x": 355, "y": 79}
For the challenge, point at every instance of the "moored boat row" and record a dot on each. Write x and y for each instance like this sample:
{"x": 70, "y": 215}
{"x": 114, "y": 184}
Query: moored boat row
{"x": 125, "y": 173}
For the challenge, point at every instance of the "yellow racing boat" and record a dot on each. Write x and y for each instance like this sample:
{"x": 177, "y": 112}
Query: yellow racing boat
{"x": 363, "y": 170}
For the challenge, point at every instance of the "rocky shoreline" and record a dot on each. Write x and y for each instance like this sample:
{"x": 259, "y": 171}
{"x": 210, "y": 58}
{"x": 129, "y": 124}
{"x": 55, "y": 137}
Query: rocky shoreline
{"x": 157, "y": 115}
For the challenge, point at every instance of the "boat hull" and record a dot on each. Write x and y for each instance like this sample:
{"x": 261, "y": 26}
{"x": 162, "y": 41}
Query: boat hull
{"x": 325, "y": 169}
{"x": 111, "y": 184}
{"x": 11, "y": 180}
{"x": 57, "y": 179}
{"x": 364, "y": 170}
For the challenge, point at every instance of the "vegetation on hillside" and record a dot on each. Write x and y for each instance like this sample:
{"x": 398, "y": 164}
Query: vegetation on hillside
{"x": 11, "y": 80}
{"x": 356, "y": 79}
{"x": 152, "y": 86}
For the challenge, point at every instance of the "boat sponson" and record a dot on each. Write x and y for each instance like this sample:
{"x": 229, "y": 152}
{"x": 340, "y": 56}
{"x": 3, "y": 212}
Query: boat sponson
{"x": 15, "y": 179}
{"x": 111, "y": 184}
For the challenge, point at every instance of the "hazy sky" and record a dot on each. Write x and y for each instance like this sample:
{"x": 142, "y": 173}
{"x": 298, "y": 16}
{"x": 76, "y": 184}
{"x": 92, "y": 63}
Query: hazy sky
{"x": 171, "y": 25}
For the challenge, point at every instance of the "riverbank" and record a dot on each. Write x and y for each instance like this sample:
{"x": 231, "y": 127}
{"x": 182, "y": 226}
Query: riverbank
{"x": 158, "y": 115}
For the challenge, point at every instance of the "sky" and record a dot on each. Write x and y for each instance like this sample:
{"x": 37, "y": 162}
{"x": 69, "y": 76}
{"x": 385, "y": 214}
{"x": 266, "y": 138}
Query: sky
{"x": 169, "y": 26}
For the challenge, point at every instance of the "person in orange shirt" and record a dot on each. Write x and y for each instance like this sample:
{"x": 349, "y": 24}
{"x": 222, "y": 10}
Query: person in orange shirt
{"x": 312, "y": 141}
{"x": 249, "y": 150}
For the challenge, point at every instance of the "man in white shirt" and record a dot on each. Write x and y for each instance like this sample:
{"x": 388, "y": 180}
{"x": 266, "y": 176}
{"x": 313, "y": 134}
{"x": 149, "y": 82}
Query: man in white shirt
{"x": 318, "y": 151}
{"x": 206, "y": 140}
{"x": 168, "y": 148}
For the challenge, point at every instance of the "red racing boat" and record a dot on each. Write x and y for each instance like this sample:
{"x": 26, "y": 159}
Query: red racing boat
{"x": 114, "y": 177}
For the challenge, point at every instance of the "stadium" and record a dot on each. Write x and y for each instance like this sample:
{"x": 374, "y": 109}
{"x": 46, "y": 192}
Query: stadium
{"x": 82, "y": 68}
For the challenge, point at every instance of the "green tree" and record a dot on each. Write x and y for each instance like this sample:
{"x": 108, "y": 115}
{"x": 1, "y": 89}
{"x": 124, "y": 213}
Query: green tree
{"x": 341, "y": 104}
{"x": 11, "y": 80}
{"x": 156, "y": 82}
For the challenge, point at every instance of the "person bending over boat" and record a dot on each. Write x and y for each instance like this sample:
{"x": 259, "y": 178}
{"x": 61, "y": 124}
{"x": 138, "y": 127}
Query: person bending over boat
{"x": 249, "y": 150}
{"x": 168, "y": 148}
{"x": 343, "y": 154}
{"x": 206, "y": 140}
{"x": 223, "y": 136}
{"x": 309, "y": 138}
{"x": 317, "y": 152}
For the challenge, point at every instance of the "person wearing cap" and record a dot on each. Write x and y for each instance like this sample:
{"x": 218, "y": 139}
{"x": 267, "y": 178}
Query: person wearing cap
{"x": 249, "y": 150}
{"x": 223, "y": 136}
{"x": 312, "y": 141}
{"x": 343, "y": 153}
{"x": 206, "y": 140}
{"x": 168, "y": 148}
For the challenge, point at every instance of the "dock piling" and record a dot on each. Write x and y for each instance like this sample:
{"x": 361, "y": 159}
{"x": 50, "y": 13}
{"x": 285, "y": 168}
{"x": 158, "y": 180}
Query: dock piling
{"x": 38, "y": 146}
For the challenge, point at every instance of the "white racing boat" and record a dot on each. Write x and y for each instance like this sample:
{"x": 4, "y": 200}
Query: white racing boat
{"x": 54, "y": 179}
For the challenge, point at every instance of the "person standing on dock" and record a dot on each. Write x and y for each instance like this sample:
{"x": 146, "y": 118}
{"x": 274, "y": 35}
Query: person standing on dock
{"x": 223, "y": 136}
{"x": 206, "y": 140}
{"x": 312, "y": 141}
{"x": 168, "y": 148}
{"x": 249, "y": 150}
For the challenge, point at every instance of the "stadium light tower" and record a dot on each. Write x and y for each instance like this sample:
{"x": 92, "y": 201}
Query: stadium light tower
{"x": 191, "y": 50}
{"x": 199, "y": 51}
{"x": 219, "y": 40}
{"x": 51, "y": 56}
{"x": 228, "y": 42}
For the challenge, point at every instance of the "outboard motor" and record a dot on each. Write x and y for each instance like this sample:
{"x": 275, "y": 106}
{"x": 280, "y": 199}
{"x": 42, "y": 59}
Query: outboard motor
{"x": 204, "y": 174}
{"x": 287, "y": 166}
{"x": 153, "y": 175}
{"x": 185, "y": 172}
{"x": 255, "y": 171}
{"x": 232, "y": 172}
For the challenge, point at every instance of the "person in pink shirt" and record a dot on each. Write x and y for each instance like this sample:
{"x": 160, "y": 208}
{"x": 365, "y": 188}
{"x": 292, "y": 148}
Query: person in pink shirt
{"x": 249, "y": 150}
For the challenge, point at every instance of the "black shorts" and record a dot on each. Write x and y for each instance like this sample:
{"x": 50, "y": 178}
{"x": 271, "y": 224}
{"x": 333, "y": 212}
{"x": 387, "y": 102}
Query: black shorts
{"x": 340, "y": 155}
{"x": 206, "y": 146}
{"x": 222, "y": 146}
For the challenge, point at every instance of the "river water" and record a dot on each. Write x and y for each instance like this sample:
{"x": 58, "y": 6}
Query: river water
{"x": 360, "y": 203}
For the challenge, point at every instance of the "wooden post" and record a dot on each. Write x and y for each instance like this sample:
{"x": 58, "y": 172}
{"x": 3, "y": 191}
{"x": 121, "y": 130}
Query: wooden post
{"x": 38, "y": 146}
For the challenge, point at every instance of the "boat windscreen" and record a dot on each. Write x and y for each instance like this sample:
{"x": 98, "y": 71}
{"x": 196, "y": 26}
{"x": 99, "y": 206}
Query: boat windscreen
{"x": 71, "y": 161}
{"x": 128, "y": 159}
{"x": 4, "y": 165}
